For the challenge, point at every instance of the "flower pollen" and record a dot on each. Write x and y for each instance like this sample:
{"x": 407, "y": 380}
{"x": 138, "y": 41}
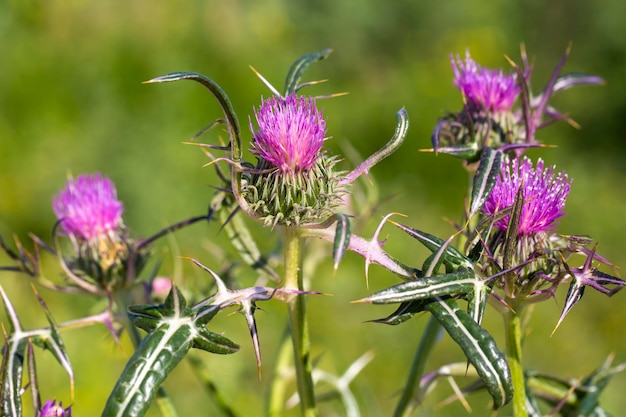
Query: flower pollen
{"x": 487, "y": 89}
{"x": 88, "y": 207}
{"x": 544, "y": 195}
{"x": 291, "y": 133}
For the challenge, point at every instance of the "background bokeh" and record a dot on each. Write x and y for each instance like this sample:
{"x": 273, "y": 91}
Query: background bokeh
{"x": 72, "y": 101}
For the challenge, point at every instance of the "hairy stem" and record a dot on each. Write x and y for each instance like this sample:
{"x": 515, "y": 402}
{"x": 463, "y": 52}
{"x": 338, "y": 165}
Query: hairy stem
{"x": 298, "y": 322}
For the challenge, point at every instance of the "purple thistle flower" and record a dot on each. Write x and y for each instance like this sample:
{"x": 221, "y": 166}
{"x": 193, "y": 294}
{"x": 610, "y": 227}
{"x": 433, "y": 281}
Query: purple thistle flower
{"x": 291, "y": 133}
{"x": 51, "y": 409}
{"x": 544, "y": 195}
{"x": 484, "y": 88}
{"x": 88, "y": 207}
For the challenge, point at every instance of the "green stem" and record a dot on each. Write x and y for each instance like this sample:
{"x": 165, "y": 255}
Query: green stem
{"x": 298, "y": 322}
{"x": 513, "y": 329}
{"x": 278, "y": 389}
{"x": 429, "y": 339}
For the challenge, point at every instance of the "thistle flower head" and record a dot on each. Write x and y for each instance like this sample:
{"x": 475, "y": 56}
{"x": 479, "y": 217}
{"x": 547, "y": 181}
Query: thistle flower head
{"x": 484, "y": 88}
{"x": 90, "y": 215}
{"x": 291, "y": 133}
{"x": 294, "y": 182}
{"x": 52, "y": 409}
{"x": 544, "y": 195}
{"x": 88, "y": 207}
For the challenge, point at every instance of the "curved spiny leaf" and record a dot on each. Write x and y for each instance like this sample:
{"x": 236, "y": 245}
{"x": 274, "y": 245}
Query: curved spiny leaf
{"x": 222, "y": 99}
{"x": 455, "y": 283}
{"x": 155, "y": 358}
{"x": 403, "y": 313}
{"x": 299, "y": 66}
{"x": 479, "y": 347}
{"x": 451, "y": 257}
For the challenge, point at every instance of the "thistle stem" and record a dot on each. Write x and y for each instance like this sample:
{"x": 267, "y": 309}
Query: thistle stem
{"x": 298, "y": 322}
{"x": 513, "y": 330}
{"x": 278, "y": 389}
{"x": 429, "y": 338}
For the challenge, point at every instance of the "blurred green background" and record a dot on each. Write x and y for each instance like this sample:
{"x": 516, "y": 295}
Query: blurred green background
{"x": 72, "y": 101}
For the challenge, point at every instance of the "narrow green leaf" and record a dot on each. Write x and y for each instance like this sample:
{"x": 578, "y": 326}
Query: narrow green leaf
{"x": 239, "y": 235}
{"x": 402, "y": 127}
{"x": 342, "y": 238}
{"x": 403, "y": 313}
{"x": 213, "y": 342}
{"x": 52, "y": 341}
{"x": 479, "y": 347}
{"x": 532, "y": 408}
{"x": 485, "y": 178}
{"x": 299, "y": 66}
{"x": 455, "y": 283}
{"x": 510, "y": 243}
{"x": 593, "y": 386}
{"x": 32, "y": 377}
{"x": 451, "y": 257}
{"x": 222, "y": 99}
{"x": 204, "y": 373}
{"x": 173, "y": 330}
{"x": 156, "y": 356}
{"x": 11, "y": 371}
{"x": 12, "y": 364}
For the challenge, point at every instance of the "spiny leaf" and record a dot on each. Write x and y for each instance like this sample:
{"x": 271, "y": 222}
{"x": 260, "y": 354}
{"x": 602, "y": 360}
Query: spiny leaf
{"x": 223, "y": 100}
{"x": 485, "y": 178}
{"x": 402, "y": 127}
{"x": 455, "y": 283}
{"x": 479, "y": 347}
{"x": 53, "y": 342}
{"x": 342, "y": 238}
{"x": 451, "y": 257}
{"x": 299, "y": 66}
{"x": 12, "y": 362}
{"x": 155, "y": 358}
{"x": 403, "y": 313}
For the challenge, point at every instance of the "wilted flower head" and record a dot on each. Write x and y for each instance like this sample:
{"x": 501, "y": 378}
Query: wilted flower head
{"x": 484, "y": 88}
{"x": 544, "y": 195}
{"x": 291, "y": 133}
{"x": 88, "y": 207}
{"x": 51, "y": 409}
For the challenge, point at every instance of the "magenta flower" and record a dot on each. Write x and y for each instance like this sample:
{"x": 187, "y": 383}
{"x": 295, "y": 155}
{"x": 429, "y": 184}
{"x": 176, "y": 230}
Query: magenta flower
{"x": 291, "y": 133}
{"x": 544, "y": 195}
{"x": 88, "y": 207}
{"x": 51, "y": 409}
{"x": 484, "y": 88}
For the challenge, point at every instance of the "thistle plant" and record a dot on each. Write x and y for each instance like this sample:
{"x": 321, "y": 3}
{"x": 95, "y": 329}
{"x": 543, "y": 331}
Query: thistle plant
{"x": 506, "y": 253}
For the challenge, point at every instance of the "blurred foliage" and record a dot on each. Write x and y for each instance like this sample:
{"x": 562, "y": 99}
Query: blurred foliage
{"x": 71, "y": 101}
